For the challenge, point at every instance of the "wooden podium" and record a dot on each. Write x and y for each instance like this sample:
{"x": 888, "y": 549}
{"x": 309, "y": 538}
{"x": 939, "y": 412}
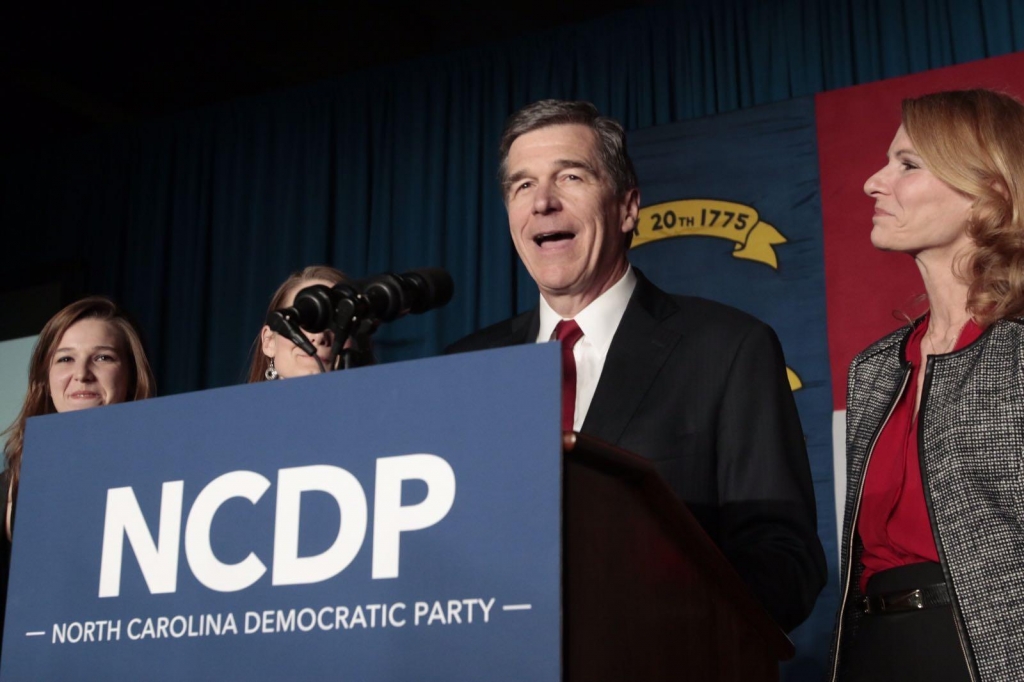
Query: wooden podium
{"x": 647, "y": 595}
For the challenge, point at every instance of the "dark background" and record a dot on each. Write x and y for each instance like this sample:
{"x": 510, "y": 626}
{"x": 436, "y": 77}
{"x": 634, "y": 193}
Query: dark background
{"x": 70, "y": 68}
{"x": 184, "y": 158}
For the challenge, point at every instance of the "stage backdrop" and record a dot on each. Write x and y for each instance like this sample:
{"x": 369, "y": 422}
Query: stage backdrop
{"x": 192, "y": 221}
{"x": 737, "y": 209}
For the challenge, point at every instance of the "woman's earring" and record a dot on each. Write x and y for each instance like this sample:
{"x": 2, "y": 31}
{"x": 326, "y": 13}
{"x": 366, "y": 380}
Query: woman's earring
{"x": 271, "y": 372}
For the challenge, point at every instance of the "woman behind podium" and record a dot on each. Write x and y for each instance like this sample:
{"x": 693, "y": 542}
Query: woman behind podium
{"x": 276, "y": 357}
{"x": 88, "y": 355}
{"x": 933, "y": 538}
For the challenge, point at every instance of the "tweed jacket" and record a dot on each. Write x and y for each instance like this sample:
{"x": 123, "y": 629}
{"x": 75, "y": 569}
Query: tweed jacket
{"x": 970, "y": 440}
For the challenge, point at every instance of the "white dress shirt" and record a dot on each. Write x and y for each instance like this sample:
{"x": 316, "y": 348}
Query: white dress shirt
{"x": 598, "y": 321}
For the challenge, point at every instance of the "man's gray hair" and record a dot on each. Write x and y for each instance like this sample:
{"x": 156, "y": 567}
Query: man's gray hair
{"x": 611, "y": 138}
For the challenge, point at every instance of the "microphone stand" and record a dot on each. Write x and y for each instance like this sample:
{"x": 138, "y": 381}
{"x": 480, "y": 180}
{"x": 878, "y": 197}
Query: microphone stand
{"x": 359, "y": 353}
{"x": 341, "y": 325}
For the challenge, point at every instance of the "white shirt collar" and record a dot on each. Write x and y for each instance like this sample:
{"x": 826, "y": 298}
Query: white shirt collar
{"x": 600, "y": 319}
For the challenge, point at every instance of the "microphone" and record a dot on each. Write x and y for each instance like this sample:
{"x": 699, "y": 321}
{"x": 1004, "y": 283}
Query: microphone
{"x": 385, "y": 298}
{"x": 391, "y": 296}
{"x": 285, "y": 322}
{"x": 315, "y": 305}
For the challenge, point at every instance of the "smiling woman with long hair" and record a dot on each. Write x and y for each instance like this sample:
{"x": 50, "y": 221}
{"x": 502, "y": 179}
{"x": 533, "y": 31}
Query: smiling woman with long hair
{"x": 89, "y": 354}
{"x": 933, "y": 539}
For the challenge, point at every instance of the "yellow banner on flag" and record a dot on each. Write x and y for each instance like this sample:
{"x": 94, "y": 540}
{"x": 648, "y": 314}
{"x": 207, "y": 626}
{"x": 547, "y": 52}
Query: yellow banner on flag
{"x": 753, "y": 239}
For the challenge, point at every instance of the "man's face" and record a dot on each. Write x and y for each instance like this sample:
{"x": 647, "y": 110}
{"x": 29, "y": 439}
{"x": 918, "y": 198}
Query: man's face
{"x": 566, "y": 223}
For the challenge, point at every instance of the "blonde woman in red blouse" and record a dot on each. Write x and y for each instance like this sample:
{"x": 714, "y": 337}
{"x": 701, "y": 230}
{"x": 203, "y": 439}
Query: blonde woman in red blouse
{"x": 933, "y": 540}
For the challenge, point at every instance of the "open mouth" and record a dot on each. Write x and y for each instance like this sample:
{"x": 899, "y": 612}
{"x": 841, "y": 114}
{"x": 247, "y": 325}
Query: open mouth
{"x": 550, "y": 237}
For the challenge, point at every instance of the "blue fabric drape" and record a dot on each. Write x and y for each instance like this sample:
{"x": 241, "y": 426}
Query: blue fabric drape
{"x": 192, "y": 221}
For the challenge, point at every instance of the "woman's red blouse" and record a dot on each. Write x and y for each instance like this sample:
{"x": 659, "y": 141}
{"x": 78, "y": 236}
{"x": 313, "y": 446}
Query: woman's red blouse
{"x": 893, "y": 522}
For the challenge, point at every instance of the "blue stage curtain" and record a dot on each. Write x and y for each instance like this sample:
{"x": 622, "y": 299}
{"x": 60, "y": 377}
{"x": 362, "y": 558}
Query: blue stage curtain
{"x": 192, "y": 221}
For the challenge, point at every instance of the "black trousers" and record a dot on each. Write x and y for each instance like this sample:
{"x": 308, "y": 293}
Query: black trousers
{"x": 906, "y": 646}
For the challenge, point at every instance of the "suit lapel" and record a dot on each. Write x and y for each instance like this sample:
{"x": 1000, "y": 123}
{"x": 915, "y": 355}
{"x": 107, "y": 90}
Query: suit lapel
{"x": 640, "y": 347}
{"x": 524, "y": 329}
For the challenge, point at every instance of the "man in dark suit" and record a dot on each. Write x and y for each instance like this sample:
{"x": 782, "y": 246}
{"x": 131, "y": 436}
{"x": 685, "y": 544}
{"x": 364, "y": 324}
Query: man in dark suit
{"x": 698, "y": 387}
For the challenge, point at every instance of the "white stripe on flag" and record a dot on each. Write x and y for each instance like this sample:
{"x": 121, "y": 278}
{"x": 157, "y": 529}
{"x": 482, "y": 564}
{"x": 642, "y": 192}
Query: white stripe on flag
{"x": 839, "y": 470}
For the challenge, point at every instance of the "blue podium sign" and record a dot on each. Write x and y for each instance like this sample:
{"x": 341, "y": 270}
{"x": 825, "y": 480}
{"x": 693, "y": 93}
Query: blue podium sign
{"x": 390, "y": 523}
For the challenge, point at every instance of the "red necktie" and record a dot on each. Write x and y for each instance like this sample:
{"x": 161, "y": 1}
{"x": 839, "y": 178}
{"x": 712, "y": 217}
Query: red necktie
{"x": 568, "y": 333}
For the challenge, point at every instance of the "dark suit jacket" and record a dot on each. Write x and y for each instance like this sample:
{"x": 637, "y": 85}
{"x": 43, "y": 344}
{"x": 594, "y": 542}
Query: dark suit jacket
{"x": 701, "y": 389}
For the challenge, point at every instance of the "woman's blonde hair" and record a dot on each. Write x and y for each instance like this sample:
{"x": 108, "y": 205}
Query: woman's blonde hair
{"x": 973, "y": 140}
{"x": 141, "y": 383}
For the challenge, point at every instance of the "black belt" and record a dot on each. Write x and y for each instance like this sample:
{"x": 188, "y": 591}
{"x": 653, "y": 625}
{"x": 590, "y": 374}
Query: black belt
{"x": 927, "y": 597}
